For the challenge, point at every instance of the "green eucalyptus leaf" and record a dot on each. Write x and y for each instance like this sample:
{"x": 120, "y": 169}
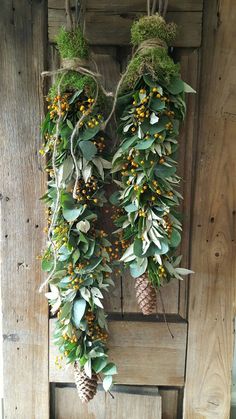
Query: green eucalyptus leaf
{"x": 143, "y": 145}
{"x": 69, "y": 123}
{"x": 72, "y": 214}
{"x": 138, "y": 247}
{"x": 109, "y": 369}
{"x": 98, "y": 364}
{"x": 157, "y": 104}
{"x": 175, "y": 238}
{"x": 131, "y": 208}
{"x": 88, "y": 149}
{"x": 47, "y": 265}
{"x": 176, "y": 86}
{"x": 137, "y": 270}
{"x": 88, "y": 133}
{"x": 78, "y": 311}
{"x": 163, "y": 171}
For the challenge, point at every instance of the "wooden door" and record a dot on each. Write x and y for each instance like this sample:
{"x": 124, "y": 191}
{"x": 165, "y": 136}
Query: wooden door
{"x": 151, "y": 364}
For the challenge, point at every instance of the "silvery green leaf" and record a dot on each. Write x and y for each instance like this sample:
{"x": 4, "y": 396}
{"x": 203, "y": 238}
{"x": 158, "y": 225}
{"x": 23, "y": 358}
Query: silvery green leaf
{"x": 106, "y": 164}
{"x": 169, "y": 267}
{"x": 183, "y": 271}
{"x": 85, "y": 293}
{"x": 87, "y": 172}
{"x": 109, "y": 369}
{"x": 117, "y": 182}
{"x": 117, "y": 155}
{"x": 158, "y": 259}
{"x": 168, "y": 147}
{"x": 97, "y": 302}
{"x": 153, "y": 118}
{"x": 53, "y": 294}
{"x": 129, "y": 254}
{"x": 188, "y": 89}
{"x": 154, "y": 236}
{"x": 88, "y": 369}
{"x": 138, "y": 269}
{"x": 140, "y": 132}
{"x": 127, "y": 127}
{"x": 107, "y": 382}
{"x": 83, "y": 225}
{"x": 68, "y": 168}
{"x": 96, "y": 292}
{"x": 97, "y": 162}
{"x": 177, "y": 260}
{"x": 158, "y": 149}
{"x": 142, "y": 96}
{"x": 80, "y": 163}
{"x": 140, "y": 178}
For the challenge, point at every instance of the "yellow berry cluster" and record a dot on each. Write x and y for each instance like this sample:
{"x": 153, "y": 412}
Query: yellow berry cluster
{"x": 94, "y": 331}
{"x": 58, "y": 105}
{"x": 167, "y": 224}
{"x": 58, "y": 361}
{"x": 99, "y": 143}
{"x": 161, "y": 272}
{"x": 86, "y": 190}
{"x": 72, "y": 339}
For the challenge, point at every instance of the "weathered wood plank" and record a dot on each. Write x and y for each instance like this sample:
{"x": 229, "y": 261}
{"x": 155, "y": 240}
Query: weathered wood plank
{"x": 212, "y": 288}
{"x": 68, "y": 405}
{"x": 124, "y": 6}
{"x": 114, "y": 29}
{"x": 145, "y": 354}
{"x": 25, "y": 320}
{"x": 189, "y": 63}
{"x": 169, "y": 400}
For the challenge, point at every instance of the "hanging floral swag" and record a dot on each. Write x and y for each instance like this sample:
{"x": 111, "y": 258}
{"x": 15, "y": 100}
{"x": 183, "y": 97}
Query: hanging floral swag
{"x": 77, "y": 255}
{"x": 150, "y": 107}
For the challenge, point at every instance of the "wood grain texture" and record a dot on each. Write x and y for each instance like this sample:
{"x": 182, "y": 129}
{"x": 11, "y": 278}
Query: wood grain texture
{"x": 189, "y": 63}
{"x": 133, "y": 406}
{"x": 212, "y": 288}
{"x": 25, "y": 320}
{"x": 109, "y": 27}
{"x": 145, "y": 354}
{"x": 124, "y": 6}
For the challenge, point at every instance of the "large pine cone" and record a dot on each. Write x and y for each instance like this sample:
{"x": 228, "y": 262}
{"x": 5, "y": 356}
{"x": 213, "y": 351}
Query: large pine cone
{"x": 86, "y": 387}
{"x": 146, "y": 295}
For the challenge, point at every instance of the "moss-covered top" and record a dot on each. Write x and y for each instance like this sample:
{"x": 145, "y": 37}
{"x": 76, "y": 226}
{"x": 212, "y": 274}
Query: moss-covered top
{"x": 149, "y": 27}
{"x": 72, "y": 44}
{"x": 151, "y": 59}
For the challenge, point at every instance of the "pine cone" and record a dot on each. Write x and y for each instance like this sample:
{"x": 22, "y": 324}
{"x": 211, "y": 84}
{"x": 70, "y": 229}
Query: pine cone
{"x": 146, "y": 295}
{"x": 86, "y": 387}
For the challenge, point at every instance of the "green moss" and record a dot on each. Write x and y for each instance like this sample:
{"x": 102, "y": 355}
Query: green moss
{"x": 152, "y": 27}
{"x": 72, "y": 44}
{"x": 153, "y": 61}
{"x": 74, "y": 81}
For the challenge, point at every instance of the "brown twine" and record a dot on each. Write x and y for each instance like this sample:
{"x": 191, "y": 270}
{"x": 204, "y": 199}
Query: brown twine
{"x": 55, "y": 212}
{"x": 149, "y": 44}
{"x": 74, "y": 63}
{"x": 164, "y": 313}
